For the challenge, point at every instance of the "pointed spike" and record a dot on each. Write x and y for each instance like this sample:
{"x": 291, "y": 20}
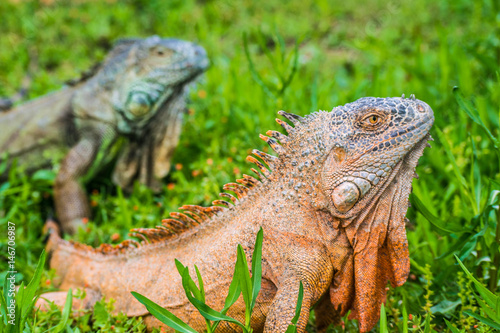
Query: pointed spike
{"x": 201, "y": 211}
{"x": 430, "y": 138}
{"x": 261, "y": 166}
{"x": 270, "y": 160}
{"x": 295, "y": 119}
{"x": 412, "y": 97}
{"x": 278, "y": 136}
{"x": 240, "y": 190}
{"x": 215, "y": 209}
{"x": 251, "y": 180}
{"x": 174, "y": 225}
{"x": 261, "y": 176}
{"x": 415, "y": 175}
{"x": 184, "y": 218}
{"x": 195, "y": 217}
{"x": 245, "y": 182}
{"x": 273, "y": 144}
{"x": 403, "y": 96}
{"x": 139, "y": 235}
{"x": 229, "y": 196}
{"x": 221, "y": 202}
{"x": 285, "y": 125}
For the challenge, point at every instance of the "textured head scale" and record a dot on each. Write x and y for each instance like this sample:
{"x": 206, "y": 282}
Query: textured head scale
{"x": 143, "y": 73}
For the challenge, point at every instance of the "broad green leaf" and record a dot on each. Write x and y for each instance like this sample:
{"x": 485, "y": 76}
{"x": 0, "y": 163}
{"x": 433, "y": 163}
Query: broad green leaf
{"x": 405, "y": 319}
{"x": 457, "y": 245}
{"x": 383, "y": 320}
{"x": 65, "y": 313}
{"x": 488, "y": 296}
{"x": 33, "y": 284}
{"x": 486, "y": 321}
{"x": 491, "y": 313}
{"x": 257, "y": 266}
{"x": 298, "y": 307}
{"x": 434, "y": 220}
{"x": 233, "y": 293}
{"x": 244, "y": 277}
{"x": 200, "y": 282}
{"x": 211, "y": 314}
{"x": 203, "y": 308}
{"x": 189, "y": 285}
{"x": 163, "y": 315}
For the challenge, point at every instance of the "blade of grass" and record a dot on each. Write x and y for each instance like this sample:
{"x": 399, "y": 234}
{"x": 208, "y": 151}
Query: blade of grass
{"x": 487, "y": 295}
{"x": 257, "y": 266}
{"x": 163, "y": 315}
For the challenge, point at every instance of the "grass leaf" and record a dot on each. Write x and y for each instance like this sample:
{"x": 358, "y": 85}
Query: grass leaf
{"x": 383, "y": 320}
{"x": 257, "y": 266}
{"x": 163, "y": 315}
{"x": 490, "y": 298}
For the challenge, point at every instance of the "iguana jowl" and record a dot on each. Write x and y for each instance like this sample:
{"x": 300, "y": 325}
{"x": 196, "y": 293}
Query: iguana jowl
{"x": 332, "y": 207}
{"x": 137, "y": 95}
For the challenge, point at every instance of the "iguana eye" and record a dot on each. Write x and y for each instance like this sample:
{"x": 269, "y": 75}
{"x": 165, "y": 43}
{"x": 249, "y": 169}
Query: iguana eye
{"x": 162, "y": 52}
{"x": 373, "y": 119}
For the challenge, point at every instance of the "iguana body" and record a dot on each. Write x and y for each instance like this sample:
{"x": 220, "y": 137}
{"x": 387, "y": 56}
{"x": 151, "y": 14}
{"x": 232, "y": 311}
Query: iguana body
{"x": 332, "y": 211}
{"x": 138, "y": 96}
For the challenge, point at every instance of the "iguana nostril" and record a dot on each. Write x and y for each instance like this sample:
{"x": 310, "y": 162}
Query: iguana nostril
{"x": 345, "y": 196}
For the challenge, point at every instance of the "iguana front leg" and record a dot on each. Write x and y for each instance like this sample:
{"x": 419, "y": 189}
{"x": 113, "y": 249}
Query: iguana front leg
{"x": 310, "y": 266}
{"x": 71, "y": 201}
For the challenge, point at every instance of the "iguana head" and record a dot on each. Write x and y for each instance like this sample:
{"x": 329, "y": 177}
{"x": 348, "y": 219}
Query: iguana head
{"x": 354, "y": 166}
{"x": 156, "y": 68}
{"x": 369, "y": 138}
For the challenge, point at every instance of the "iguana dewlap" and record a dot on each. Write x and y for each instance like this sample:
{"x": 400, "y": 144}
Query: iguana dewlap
{"x": 129, "y": 110}
{"x": 332, "y": 207}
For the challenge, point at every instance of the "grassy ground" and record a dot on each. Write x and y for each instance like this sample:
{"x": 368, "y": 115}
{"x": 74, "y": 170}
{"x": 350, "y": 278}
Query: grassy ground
{"x": 364, "y": 48}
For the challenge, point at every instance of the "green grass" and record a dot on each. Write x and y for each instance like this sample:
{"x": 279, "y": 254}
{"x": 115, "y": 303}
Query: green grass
{"x": 369, "y": 48}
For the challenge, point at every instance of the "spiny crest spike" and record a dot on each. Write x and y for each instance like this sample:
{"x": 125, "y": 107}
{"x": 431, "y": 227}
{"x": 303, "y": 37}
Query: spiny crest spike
{"x": 412, "y": 97}
{"x": 221, "y": 202}
{"x": 273, "y": 144}
{"x": 195, "y": 217}
{"x": 403, "y": 96}
{"x": 270, "y": 160}
{"x": 278, "y": 136}
{"x": 240, "y": 190}
{"x": 285, "y": 125}
{"x": 229, "y": 196}
{"x": 203, "y": 212}
{"x": 261, "y": 166}
{"x": 261, "y": 176}
{"x": 184, "y": 218}
{"x": 295, "y": 119}
{"x": 248, "y": 181}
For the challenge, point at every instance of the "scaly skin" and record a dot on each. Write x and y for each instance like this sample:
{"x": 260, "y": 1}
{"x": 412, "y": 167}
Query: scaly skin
{"x": 333, "y": 214}
{"x": 131, "y": 110}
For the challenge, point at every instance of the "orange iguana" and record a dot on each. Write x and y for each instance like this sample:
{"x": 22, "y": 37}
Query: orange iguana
{"x": 332, "y": 207}
{"x": 138, "y": 95}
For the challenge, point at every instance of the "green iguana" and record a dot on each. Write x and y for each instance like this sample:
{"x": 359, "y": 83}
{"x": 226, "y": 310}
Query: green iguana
{"x": 332, "y": 207}
{"x": 137, "y": 95}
